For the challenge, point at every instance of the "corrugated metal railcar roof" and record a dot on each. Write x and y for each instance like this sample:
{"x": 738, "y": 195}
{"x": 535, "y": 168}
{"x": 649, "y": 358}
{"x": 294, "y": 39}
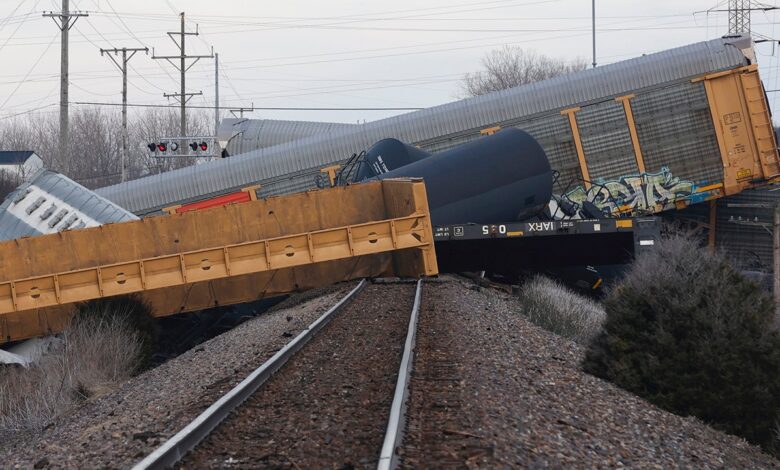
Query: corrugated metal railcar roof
{"x": 244, "y": 135}
{"x": 50, "y": 202}
{"x": 593, "y": 85}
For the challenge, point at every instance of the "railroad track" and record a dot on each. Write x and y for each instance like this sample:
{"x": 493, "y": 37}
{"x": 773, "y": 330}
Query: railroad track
{"x": 333, "y": 398}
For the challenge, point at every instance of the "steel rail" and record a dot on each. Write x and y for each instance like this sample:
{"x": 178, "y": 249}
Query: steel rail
{"x": 396, "y": 423}
{"x": 185, "y": 440}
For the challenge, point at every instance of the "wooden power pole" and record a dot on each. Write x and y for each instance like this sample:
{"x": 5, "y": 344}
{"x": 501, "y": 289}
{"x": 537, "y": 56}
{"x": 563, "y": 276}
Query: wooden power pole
{"x": 122, "y": 66}
{"x": 182, "y": 96}
{"x": 216, "y": 94}
{"x": 63, "y": 21}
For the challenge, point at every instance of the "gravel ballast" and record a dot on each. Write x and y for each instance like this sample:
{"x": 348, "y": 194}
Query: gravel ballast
{"x": 491, "y": 390}
{"x": 329, "y": 405}
{"x": 118, "y": 429}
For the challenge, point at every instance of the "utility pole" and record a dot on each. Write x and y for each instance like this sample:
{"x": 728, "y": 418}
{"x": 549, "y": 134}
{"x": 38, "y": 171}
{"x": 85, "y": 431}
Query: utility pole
{"x": 241, "y": 111}
{"x": 63, "y": 21}
{"x": 593, "y": 11}
{"x": 216, "y": 94}
{"x": 183, "y": 97}
{"x": 122, "y": 66}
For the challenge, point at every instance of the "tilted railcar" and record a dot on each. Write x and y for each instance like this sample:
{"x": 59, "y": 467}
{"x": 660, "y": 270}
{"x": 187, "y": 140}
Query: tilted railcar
{"x": 660, "y": 131}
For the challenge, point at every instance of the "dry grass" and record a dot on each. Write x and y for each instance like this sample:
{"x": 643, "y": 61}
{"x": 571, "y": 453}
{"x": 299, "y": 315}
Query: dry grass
{"x": 554, "y": 307}
{"x": 99, "y": 351}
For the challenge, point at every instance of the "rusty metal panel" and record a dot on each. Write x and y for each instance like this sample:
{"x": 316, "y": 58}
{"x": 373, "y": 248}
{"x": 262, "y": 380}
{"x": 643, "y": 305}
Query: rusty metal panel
{"x": 219, "y": 256}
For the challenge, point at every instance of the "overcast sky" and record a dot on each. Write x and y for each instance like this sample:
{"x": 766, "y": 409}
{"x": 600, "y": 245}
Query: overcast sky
{"x": 335, "y": 53}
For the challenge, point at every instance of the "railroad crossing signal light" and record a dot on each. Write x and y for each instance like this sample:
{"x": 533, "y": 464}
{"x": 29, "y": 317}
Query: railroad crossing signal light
{"x": 172, "y": 147}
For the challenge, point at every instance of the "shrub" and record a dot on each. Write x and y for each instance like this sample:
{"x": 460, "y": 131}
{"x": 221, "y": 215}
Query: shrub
{"x": 556, "y": 308}
{"x": 129, "y": 312}
{"x": 103, "y": 346}
{"x": 689, "y": 333}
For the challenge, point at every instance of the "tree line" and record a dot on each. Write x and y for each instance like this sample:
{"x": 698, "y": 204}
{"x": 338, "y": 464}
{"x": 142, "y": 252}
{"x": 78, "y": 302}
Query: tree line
{"x": 94, "y": 154}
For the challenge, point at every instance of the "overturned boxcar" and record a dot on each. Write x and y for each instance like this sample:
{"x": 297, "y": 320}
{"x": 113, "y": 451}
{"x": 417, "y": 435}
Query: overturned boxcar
{"x": 660, "y": 131}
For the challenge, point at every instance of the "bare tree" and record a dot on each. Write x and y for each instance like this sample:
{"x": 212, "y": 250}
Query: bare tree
{"x": 96, "y": 142}
{"x": 512, "y": 66}
{"x": 150, "y": 127}
{"x": 8, "y": 183}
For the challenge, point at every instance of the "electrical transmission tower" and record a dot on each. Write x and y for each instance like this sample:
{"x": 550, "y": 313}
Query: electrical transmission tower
{"x": 63, "y": 21}
{"x": 739, "y": 16}
{"x": 122, "y": 66}
{"x": 183, "y": 97}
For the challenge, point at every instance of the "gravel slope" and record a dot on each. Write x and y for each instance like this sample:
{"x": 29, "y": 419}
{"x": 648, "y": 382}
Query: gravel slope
{"x": 489, "y": 390}
{"x": 118, "y": 429}
{"x": 492, "y": 390}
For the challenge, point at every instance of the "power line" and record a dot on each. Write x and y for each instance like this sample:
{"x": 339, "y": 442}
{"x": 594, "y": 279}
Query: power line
{"x": 329, "y": 54}
{"x": 268, "y": 26}
{"x": 434, "y": 30}
{"x": 37, "y": 61}
{"x": 349, "y": 58}
{"x": 278, "y": 108}
{"x": 92, "y": 76}
{"x": 153, "y": 33}
{"x": 132, "y": 33}
{"x": 29, "y": 111}
{"x": 143, "y": 76}
{"x": 131, "y": 67}
{"x": 24, "y": 20}
{"x": 7, "y": 19}
{"x": 361, "y": 16}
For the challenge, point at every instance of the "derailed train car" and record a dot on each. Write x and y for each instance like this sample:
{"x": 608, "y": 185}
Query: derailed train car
{"x": 500, "y": 185}
{"x": 502, "y": 177}
{"x": 644, "y": 135}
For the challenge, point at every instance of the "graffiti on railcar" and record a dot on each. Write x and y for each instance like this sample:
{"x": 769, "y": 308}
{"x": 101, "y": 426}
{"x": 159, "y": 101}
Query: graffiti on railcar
{"x": 643, "y": 193}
